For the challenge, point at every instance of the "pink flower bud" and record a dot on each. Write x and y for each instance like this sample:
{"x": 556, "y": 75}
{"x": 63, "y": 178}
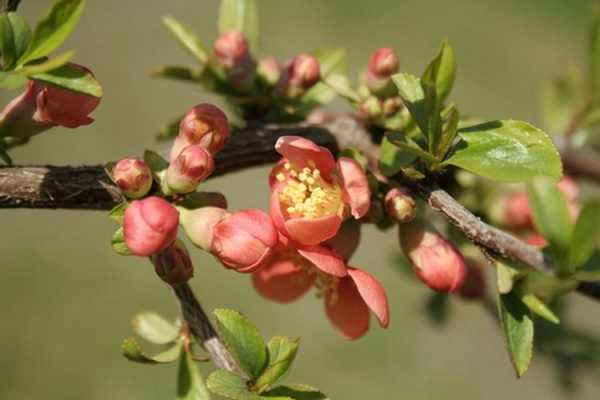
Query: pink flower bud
{"x": 150, "y": 225}
{"x": 391, "y": 105}
{"x": 269, "y": 70}
{"x": 371, "y": 108}
{"x": 204, "y": 125}
{"x": 244, "y": 241}
{"x": 436, "y": 261}
{"x": 192, "y": 166}
{"x": 173, "y": 265}
{"x": 513, "y": 211}
{"x": 133, "y": 177}
{"x": 400, "y": 205}
{"x": 570, "y": 188}
{"x": 300, "y": 75}
{"x": 198, "y": 224}
{"x": 383, "y": 63}
{"x": 231, "y": 49}
{"x": 474, "y": 286}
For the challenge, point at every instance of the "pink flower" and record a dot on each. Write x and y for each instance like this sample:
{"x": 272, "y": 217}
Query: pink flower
{"x": 349, "y": 293}
{"x": 400, "y": 205}
{"x": 150, "y": 225}
{"x": 346, "y": 241}
{"x": 302, "y": 73}
{"x": 436, "y": 261}
{"x": 311, "y": 194}
{"x": 204, "y": 125}
{"x": 133, "y": 177}
{"x": 193, "y": 165}
{"x": 173, "y": 264}
{"x": 244, "y": 240}
{"x": 231, "y": 49}
{"x": 382, "y": 65}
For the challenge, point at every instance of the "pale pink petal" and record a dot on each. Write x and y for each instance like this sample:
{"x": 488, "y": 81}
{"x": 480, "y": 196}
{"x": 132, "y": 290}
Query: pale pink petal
{"x": 299, "y": 151}
{"x": 311, "y": 231}
{"x": 373, "y": 293}
{"x": 324, "y": 259}
{"x": 282, "y": 281}
{"x": 356, "y": 186}
{"x": 346, "y": 310}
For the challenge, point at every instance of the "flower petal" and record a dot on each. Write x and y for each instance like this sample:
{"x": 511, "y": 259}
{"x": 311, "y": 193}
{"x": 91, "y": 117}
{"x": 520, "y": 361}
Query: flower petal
{"x": 311, "y": 231}
{"x": 324, "y": 259}
{"x": 299, "y": 151}
{"x": 282, "y": 280}
{"x": 373, "y": 293}
{"x": 347, "y": 310}
{"x": 356, "y": 186}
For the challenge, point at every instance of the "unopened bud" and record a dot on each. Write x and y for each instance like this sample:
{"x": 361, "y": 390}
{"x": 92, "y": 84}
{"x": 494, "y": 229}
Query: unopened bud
{"x": 269, "y": 70}
{"x": 513, "y": 211}
{"x": 198, "y": 224}
{"x": 435, "y": 260}
{"x": 300, "y": 75}
{"x": 391, "y": 106}
{"x": 384, "y": 63}
{"x": 150, "y": 225}
{"x": 192, "y": 166}
{"x": 400, "y": 205}
{"x": 245, "y": 240}
{"x": 133, "y": 177}
{"x": 371, "y": 108}
{"x": 231, "y": 49}
{"x": 474, "y": 286}
{"x": 204, "y": 125}
{"x": 173, "y": 265}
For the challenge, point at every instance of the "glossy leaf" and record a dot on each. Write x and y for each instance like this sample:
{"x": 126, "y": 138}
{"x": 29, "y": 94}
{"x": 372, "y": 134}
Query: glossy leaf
{"x": 118, "y": 243}
{"x": 442, "y": 72}
{"x": 586, "y": 235}
{"x": 449, "y": 133}
{"x": 71, "y": 78}
{"x": 295, "y": 392}
{"x": 48, "y": 65}
{"x": 190, "y": 385}
{"x": 538, "y": 307}
{"x": 154, "y": 328}
{"x": 413, "y": 97}
{"x": 186, "y": 38}
{"x": 507, "y": 151}
{"x": 281, "y": 353}
{"x": 518, "y": 328}
{"x": 117, "y": 213}
{"x": 15, "y": 36}
{"x": 52, "y": 31}
{"x": 229, "y": 385}
{"x": 243, "y": 340}
{"x": 242, "y": 16}
{"x": 133, "y": 352}
{"x": 392, "y": 158}
{"x": 595, "y": 58}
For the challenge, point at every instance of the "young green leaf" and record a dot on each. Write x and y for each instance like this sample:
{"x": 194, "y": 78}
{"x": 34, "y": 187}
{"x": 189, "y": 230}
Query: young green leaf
{"x": 392, "y": 158}
{"x": 450, "y": 132}
{"x": 551, "y": 218}
{"x": 155, "y": 162}
{"x": 538, "y": 307}
{"x": 12, "y": 80}
{"x": 229, "y": 385}
{"x": 15, "y": 36}
{"x": 562, "y": 98}
{"x": 243, "y": 340}
{"x": 118, "y": 243}
{"x": 117, "y": 213}
{"x": 507, "y": 151}
{"x": 331, "y": 61}
{"x": 45, "y": 66}
{"x": 590, "y": 270}
{"x": 169, "y": 130}
{"x": 517, "y": 325}
{"x": 438, "y": 308}
{"x": 281, "y": 352}
{"x": 341, "y": 85}
{"x": 133, "y": 352}
{"x": 190, "y": 385}
{"x": 295, "y": 392}
{"x": 413, "y": 96}
{"x": 186, "y": 38}
{"x": 177, "y": 73}
{"x": 52, "y": 31}
{"x": 506, "y": 273}
{"x": 154, "y": 328}
{"x": 240, "y": 15}
{"x": 595, "y": 58}
{"x": 71, "y": 78}
{"x": 442, "y": 72}
{"x": 586, "y": 235}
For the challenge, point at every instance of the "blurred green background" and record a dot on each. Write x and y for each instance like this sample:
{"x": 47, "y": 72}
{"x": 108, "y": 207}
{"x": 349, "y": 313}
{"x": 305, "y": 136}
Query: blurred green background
{"x": 67, "y": 299}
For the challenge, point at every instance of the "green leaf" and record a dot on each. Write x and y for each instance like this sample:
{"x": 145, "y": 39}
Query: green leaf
{"x": 507, "y": 151}
{"x": 12, "y": 80}
{"x": 341, "y": 85}
{"x": 590, "y": 271}
{"x": 186, "y": 38}
{"x": 438, "y": 308}
{"x": 229, "y": 385}
{"x": 551, "y": 218}
{"x": 196, "y": 200}
{"x": 15, "y": 36}
{"x": 169, "y": 130}
{"x": 133, "y": 352}
{"x": 5, "y": 156}
{"x": 413, "y": 97}
{"x": 243, "y": 340}
{"x": 240, "y": 15}
{"x": 595, "y": 58}
{"x": 71, "y": 78}
{"x": 355, "y": 154}
{"x": 561, "y": 99}
{"x": 52, "y": 31}
{"x": 442, "y": 72}
{"x": 117, "y": 214}
{"x": 155, "y": 162}
{"x": 507, "y": 272}
{"x": 46, "y": 66}
{"x": 118, "y": 243}
{"x": 538, "y": 307}
{"x": 450, "y": 132}
{"x": 518, "y": 330}
{"x": 154, "y": 328}
{"x": 190, "y": 385}
{"x": 331, "y": 61}
{"x": 585, "y": 235}
{"x": 281, "y": 353}
{"x": 296, "y": 392}
{"x": 392, "y": 158}
{"x": 177, "y": 73}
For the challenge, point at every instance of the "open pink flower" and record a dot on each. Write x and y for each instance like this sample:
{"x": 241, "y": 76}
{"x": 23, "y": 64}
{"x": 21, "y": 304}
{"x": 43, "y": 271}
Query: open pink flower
{"x": 349, "y": 293}
{"x": 312, "y": 194}
{"x": 150, "y": 225}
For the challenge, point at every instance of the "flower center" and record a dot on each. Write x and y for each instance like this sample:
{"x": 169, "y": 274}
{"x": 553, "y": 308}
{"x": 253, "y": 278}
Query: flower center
{"x": 306, "y": 193}
{"x": 326, "y": 286}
